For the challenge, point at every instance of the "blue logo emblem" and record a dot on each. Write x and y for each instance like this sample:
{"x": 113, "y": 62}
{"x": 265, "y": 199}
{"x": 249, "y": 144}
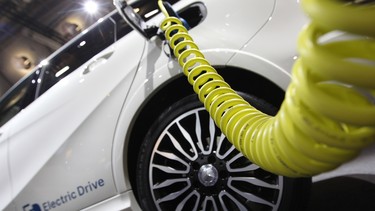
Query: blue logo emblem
{"x": 34, "y": 207}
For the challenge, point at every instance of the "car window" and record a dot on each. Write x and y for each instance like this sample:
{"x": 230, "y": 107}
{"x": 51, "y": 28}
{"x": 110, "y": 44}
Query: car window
{"x": 70, "y": 58}
{"x": 122, "y": 28}
{"x": 76, "y": 54}
{"x": 19, "y": 97}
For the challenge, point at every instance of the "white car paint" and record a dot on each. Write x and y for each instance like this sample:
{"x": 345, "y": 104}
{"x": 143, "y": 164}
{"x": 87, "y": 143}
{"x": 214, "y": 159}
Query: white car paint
{"x": 72, "y": 137}
{"x": 5, "y": 180}
{"x": 76, "y": 161}
{"x": 155, "y": 68}
{"x": 273, "y": 49}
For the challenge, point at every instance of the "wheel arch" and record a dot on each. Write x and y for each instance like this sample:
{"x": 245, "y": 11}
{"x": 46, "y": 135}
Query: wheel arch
{"x": 177, "y": 88}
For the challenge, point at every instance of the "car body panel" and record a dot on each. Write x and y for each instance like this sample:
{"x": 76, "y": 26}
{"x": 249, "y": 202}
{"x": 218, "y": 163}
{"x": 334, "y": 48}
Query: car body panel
{"x": 73, "y": 134}
{"x": 66, "y": 149}
{"x": 5, "y": 179}
{"x": 125, "y": 201}
{"x": 272, "y": 52}
{"x": 277, "y": 41}
{"x": 224, "y": 18}
{"x": 156, "y": 67}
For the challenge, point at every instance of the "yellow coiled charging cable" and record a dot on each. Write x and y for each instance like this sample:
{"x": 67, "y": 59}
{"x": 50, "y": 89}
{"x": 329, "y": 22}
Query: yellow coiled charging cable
{"x": 328, "y": 114}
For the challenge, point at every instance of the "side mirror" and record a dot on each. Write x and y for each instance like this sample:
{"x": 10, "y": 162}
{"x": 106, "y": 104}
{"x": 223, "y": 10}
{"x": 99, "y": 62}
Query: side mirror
{"x": 134, "y": 19}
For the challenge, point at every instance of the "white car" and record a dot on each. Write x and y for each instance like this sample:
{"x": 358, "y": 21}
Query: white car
{"x": 109, "y": 122}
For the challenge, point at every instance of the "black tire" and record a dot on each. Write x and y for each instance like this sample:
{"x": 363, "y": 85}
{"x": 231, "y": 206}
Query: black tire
{"x": 175, "y": 173}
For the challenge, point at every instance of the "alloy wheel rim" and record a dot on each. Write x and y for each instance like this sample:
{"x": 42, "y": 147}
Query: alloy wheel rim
{"x": 194, "y": 167}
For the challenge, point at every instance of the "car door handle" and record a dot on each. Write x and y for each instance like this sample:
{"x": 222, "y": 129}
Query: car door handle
{"x": 96, "y": 63}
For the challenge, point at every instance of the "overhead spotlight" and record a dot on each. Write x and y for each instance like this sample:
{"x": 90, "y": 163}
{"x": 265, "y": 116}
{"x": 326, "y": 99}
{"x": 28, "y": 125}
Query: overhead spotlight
{"x": 91, "y": 7}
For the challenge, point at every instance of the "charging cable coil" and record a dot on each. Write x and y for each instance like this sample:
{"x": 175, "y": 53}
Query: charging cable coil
{"x": 328, "y": 114}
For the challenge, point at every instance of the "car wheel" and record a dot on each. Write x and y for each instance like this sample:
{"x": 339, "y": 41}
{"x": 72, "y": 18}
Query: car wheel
{"x": 186, "y": 163}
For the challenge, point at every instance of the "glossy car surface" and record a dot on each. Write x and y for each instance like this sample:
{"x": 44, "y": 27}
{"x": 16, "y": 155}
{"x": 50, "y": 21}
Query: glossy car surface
{"x": 71, "y": 131}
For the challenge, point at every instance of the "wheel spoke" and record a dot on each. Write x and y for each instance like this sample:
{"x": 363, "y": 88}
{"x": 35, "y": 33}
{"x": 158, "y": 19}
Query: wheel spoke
{"x": 170, "y": 170}
{"x": 212, "y": 128}
{"x": 219, "y": 145}
{"x": 174, "y": 195}
{"x": 169, "y": 182}
{"x": 249, "y": 196}
{"x": 183, "y": 202}
{"x": 174, "y": 157}
{"x": 205, "y": 202}
{"x": 198, "y": 131}
{"x": 178, "y": 146}
{"x": 232, "y": 198}
{"x": 250, "y": 167}
{"x": 255, "y": 181}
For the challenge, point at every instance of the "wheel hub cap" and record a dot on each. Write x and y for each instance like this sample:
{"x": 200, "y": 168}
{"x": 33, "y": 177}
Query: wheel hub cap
{"x": 208, "y": 175}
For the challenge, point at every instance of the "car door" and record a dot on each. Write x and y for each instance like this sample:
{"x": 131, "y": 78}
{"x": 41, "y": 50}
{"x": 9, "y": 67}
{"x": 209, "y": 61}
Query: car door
{"x": 11, "y": 104}
{"x": 59, "y": 149}
{"x": 5, "y": 181}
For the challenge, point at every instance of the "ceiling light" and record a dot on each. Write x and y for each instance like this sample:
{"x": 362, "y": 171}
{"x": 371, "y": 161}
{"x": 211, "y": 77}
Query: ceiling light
{"x": 91, "y": 7}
